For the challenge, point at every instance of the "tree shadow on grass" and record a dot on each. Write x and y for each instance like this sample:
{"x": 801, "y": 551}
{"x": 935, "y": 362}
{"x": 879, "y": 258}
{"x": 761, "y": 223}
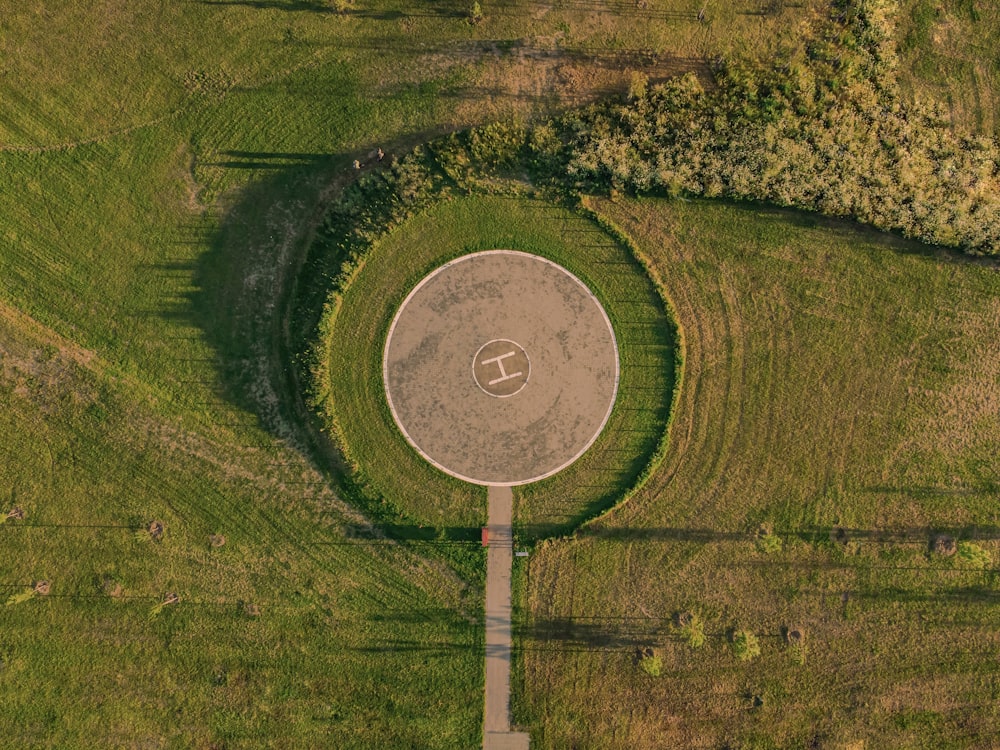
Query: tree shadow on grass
{"x": 292, "y": 6}
{"x": 327, "y": 7}
{"x": 242, "y": 284}
{"x": 826, "y": 535}
{"x": 888, "y": 240}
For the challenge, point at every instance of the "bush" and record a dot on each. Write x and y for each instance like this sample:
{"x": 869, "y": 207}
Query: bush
{"x": 745, "y": 645}
{"x": 768, "y": 542}
{"x": 692, "y": 629}
{"x": 651, "y": 664}
{"x": 971, "y": 555}
{"x": 497, "y": 145}
{"x": 825, "y": 130}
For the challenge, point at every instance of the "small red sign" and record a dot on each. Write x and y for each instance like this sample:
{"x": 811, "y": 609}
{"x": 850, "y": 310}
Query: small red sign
{"x": 486, "y": 537}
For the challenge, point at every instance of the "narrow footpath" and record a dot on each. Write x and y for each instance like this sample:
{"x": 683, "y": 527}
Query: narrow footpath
{"x": 499, "y": 556}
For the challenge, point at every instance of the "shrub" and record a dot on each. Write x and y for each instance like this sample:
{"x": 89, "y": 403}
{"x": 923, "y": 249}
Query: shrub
{"x": 692, "y": 629}
{"x": 745, "y": 645}
{"x": 768, "y": 542}
{"x": 497, "y": 145}
{"x": 972, "y": 555}
{"x": 638, "y": 84}
{"x": 651, "y": 664}
{"x": 825, "y": 129}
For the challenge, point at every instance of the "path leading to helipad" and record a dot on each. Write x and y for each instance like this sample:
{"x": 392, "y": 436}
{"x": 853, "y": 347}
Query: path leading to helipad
{"x": 499, "y": 556}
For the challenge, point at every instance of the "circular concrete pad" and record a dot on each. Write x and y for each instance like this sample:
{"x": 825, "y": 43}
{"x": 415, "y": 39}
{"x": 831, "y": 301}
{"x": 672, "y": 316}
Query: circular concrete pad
{"x": 501, "y": 368}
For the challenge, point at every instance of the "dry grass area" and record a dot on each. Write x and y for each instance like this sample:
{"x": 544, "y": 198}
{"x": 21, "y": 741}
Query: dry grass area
{"x": 79, "y": 73}
{"x": 949, "y": 54}
{"x": 838, "y": 408}
{"x": 529, "y": 57}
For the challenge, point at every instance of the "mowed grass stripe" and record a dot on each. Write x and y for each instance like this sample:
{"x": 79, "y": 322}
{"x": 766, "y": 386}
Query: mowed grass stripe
{"x": 819, "y": 359}
{"x": 271, "y": 560}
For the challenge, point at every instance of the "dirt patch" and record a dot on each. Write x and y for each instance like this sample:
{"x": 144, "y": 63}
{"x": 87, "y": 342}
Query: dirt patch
{"x": 110, "y": 587}
{"x": 216, "y": 540}
{"x": 539, "y": 76}
{"x": 41, "y": 588}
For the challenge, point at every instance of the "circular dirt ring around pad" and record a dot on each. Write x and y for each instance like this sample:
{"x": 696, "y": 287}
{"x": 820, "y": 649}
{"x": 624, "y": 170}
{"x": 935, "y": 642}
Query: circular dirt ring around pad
{"x": 501, "y": 368}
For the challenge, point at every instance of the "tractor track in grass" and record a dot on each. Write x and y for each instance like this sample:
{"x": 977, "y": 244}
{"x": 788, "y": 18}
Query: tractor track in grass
{"x": 104, "y": 137}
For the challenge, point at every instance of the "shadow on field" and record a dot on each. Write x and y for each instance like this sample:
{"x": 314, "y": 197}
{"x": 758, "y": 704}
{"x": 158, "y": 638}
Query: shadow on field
{"x": 268, "y": 160}
{"x": 293, "y": 6}
{"x": 326, "y": 7}
{"x": 527, "y": 534}
{"x": 580, "y": 633}
{"x": 590, "y": 633}
{"x": 243, "y": 286}
{"x": 242, "y": 283}
{"x": 810, "y": 534}
{"x": 461, "y": 10}
{"x": 451, "y": 535}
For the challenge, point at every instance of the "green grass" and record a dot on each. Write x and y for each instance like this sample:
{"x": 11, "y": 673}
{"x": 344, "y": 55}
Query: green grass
{"x": 90, "y": 464}
{"x": 951, "y": 54}
{"x": 163, "y": 168}
{"x": 138, "y": 291}
{"x": 832, "y": 378}
{"x": 390, "y": 471}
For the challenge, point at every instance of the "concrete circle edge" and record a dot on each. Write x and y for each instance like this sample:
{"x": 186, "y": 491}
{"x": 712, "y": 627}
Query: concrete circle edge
{"x": 392, "y": 407}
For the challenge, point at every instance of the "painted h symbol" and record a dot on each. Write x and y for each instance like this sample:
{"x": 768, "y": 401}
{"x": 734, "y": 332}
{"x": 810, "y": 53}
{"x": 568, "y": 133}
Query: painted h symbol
{"x": 503, "y": 372}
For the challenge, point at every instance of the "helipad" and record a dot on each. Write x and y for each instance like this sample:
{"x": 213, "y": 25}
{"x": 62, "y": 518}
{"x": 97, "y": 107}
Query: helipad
{"x": 501, "y": 368}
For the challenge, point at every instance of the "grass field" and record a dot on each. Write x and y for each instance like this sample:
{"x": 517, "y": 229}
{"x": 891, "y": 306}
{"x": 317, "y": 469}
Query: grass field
{"x": 275, "y": 632}
{"x": 161, "y": 168}
{"x": 391, "y": 472}
{"x": 833, "y": 380}
{"x": 164, "y": 165}
{"x": 951, "y": 53}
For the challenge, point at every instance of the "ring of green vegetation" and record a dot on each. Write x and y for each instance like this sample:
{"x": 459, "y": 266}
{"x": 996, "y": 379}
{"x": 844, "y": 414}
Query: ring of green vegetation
{"x": 356, "y": 319}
